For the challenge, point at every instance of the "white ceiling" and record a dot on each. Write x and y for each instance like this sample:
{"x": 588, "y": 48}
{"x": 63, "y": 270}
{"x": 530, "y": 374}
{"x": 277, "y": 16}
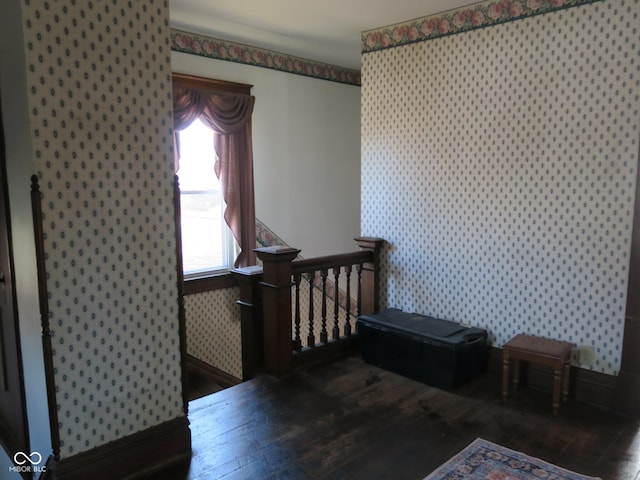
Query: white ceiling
{"x": 322, "y": 30}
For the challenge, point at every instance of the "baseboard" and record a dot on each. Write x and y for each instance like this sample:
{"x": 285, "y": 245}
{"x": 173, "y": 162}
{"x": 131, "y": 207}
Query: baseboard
{"x": 214, "y": 374}
{"x": 585, "y": 385}
{"x": 628, "y": 393}
{"x": 133, "y": 457}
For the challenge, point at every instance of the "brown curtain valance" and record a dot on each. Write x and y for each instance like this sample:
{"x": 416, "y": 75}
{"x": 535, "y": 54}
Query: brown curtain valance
{"x": 224, "y": 113}
{"x": 229, "y": 116}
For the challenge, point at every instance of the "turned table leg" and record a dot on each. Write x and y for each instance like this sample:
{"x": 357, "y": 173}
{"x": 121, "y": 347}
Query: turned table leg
{"x": 505, "y": 374}
{"x": 516, "y": 373}
{"x": 565, "y": 383}
{"x": 557, "y": 386}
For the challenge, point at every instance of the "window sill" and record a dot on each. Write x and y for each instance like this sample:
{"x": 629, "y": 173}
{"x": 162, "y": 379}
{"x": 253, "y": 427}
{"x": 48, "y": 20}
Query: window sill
{"x": 209, "y": 283}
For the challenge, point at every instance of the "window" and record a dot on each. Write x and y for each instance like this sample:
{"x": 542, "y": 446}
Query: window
{"x": 208, "y": 245}
{"x": 212, "y": 123}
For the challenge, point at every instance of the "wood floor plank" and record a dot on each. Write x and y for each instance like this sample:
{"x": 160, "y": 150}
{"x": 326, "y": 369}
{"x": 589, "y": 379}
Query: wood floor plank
{"x": 354, "y": 421}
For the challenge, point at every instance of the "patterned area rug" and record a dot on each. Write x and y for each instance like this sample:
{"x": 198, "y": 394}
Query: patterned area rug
{"x": 484, "y": 460}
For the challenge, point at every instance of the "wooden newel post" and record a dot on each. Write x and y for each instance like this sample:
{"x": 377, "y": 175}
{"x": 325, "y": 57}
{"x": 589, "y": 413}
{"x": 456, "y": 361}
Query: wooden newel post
{"x": 370, "y": 278}
{"x": 250, "y": 302}
{"x": 276, "y": 299}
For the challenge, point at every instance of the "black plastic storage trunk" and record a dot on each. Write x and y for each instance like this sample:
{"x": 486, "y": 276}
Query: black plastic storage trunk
{"x": 437, "y": 352}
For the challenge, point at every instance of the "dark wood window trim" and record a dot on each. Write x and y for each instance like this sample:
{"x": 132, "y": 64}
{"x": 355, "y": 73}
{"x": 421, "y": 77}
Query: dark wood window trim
{"x": 210, "y": 84}
{"x": 220, "y": 281}
{"x": 209, "y": 283}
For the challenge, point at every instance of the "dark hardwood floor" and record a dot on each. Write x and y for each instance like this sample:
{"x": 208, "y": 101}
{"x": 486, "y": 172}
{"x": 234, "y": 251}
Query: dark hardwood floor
{"x": 350, "y": 420}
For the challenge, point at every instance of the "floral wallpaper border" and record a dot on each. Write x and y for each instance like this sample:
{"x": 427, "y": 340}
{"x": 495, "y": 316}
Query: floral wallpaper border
{"x": 480, "y": 15}
{"x": 265, "y": 237}
{"x": 194, "y": 44}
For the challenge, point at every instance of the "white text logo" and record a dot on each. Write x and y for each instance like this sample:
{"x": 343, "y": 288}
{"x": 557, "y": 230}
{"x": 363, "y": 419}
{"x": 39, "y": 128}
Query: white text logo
{"x": 27, "y": 463}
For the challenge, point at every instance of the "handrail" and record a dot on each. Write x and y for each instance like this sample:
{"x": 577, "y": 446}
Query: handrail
{"x": 305, "y": 265}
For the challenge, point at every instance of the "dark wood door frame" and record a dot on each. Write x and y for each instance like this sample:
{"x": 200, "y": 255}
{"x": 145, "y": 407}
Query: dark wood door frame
{"x": 14, "y": 431}
{"x": 628, "y": 388}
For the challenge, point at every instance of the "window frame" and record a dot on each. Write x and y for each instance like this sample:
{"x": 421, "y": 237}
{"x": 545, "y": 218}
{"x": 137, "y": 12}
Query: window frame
{"x": 221, "y": 279}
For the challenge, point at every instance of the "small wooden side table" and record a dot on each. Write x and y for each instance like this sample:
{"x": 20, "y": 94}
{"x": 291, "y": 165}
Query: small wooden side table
{"x": 544, "y": 351}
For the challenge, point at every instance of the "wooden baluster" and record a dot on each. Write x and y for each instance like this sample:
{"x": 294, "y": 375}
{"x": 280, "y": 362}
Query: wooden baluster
{"x": 347, "y": 320}
{"x": 336, "y": 303}
{"x": 359, "y": 294}
{"x": 323, "y": 331}
{"x": 311, "y": 339}
{"x": 297, "y": 343}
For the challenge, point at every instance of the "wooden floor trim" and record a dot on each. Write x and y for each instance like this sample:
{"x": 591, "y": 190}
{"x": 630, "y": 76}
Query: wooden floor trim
{"x": 136, "y": 456}
{"x": 216, "y": 375}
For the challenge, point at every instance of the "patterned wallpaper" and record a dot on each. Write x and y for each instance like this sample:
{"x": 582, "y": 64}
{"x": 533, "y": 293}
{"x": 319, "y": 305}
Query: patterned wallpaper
{"x": 500, "y": 166}
{"x": 99, "y": 93}
{"x": 214, "y": 329}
